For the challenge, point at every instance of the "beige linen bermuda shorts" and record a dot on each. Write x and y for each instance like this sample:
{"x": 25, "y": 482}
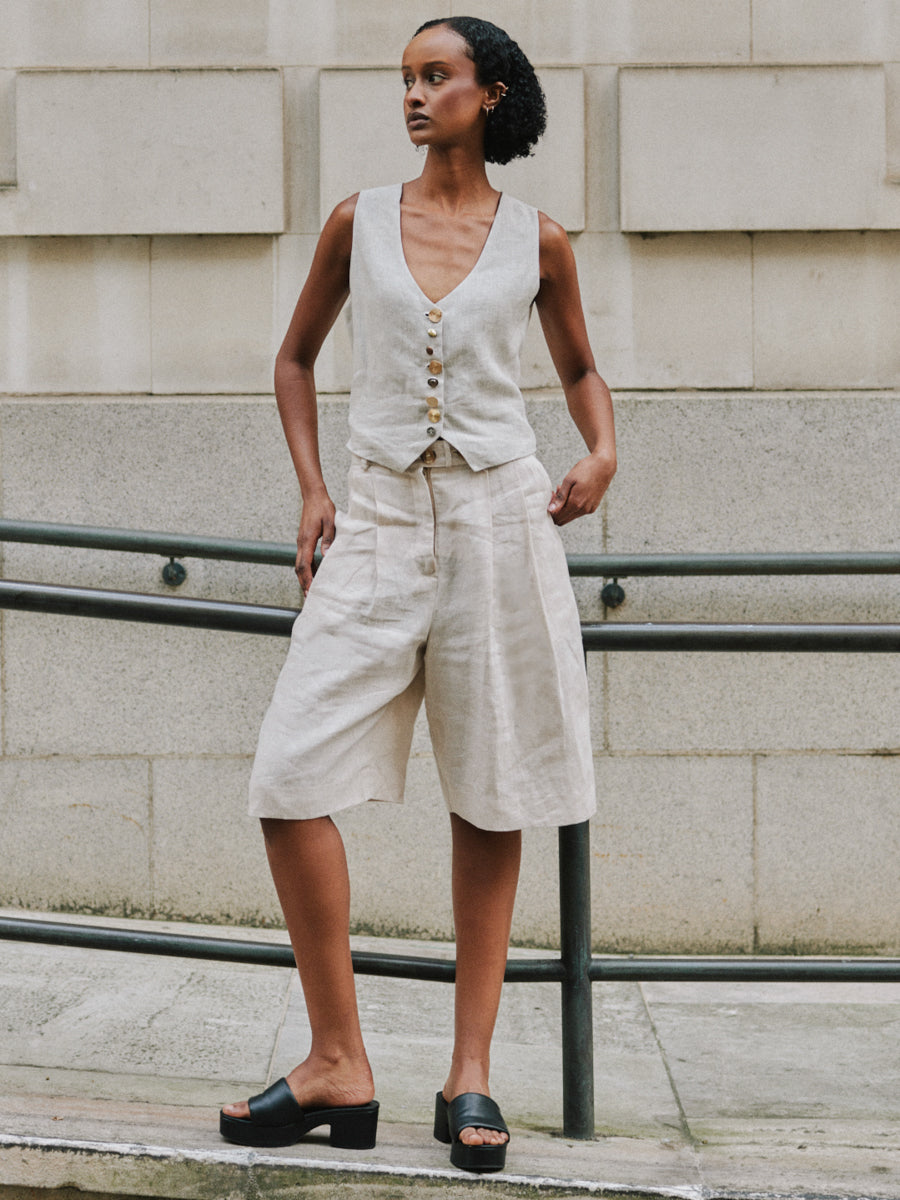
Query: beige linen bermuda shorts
{"x": 448, "y": 584}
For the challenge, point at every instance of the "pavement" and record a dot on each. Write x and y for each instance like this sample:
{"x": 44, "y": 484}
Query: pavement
{"x": 115, "y": 1065}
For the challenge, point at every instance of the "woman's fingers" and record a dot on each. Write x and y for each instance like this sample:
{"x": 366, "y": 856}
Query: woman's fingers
{"x": 320, "y": 528}
{"x": 558, "y": 501}
{"x": 580, "y": 492}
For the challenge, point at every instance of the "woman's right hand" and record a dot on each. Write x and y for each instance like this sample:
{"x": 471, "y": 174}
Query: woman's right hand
{"x": 316, "y": 522}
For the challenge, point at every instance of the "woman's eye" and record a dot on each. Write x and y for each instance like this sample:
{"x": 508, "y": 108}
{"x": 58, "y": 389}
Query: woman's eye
{"x": 435, "y": 78}
{"x": 407, "y": 84}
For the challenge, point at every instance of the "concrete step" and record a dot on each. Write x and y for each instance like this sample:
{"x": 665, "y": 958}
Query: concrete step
{"x": 102, "y": 1148}
{"x": 114, "y": 1067}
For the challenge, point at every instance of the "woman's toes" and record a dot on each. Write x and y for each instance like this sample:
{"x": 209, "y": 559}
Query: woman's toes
{"x": 242, "y": 1109}
{"x": 482, "y": 1137}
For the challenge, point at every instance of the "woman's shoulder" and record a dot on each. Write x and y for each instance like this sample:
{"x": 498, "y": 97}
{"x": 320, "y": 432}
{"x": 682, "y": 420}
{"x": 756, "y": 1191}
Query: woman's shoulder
{"x": 342, "y": 214}
{"x": 336, "y": 238}
{"x": 552, "y": 233}
{"x": 557, "y": 258}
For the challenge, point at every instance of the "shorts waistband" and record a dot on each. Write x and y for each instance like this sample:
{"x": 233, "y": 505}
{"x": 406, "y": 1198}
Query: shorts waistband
{"x": 441, "y": 454}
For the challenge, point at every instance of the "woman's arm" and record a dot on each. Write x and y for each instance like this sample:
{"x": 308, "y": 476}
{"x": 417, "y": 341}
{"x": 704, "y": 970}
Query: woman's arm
{"x": 587, "y": 396}
{"x": 324, "y": 294}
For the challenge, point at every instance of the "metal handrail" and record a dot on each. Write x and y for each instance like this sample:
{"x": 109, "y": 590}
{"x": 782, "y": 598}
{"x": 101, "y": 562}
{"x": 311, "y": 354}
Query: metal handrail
{"x": 622, "y": 566}
{"x": 575, "y": 969}
{"x": 597, "y": 635}
{"x": 619, "y": 968}
{"x": 140, "y": 541}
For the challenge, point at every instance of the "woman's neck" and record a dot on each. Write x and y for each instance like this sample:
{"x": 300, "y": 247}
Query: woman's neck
{"x": 454, "y": 181}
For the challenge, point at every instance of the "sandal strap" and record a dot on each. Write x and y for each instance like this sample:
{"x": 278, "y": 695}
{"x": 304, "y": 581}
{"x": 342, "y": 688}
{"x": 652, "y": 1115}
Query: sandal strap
{"x": 275, "y": 1106}
{"x": 472, "y": 1110}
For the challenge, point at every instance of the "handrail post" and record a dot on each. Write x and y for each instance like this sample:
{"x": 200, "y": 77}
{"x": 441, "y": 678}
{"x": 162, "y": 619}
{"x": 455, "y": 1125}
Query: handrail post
{"x": 577, "y": 1011}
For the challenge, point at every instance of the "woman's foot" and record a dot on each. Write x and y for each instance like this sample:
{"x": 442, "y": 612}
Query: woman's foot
{"x": 320, "y": 1083}
{"x": 473, "y": 1082}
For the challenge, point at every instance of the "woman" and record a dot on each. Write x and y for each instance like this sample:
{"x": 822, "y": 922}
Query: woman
{"x": 446, "y": 578}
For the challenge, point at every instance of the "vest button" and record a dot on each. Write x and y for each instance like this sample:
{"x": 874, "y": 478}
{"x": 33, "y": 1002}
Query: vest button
{"x": 432, "y": 333}
{"x": 433, "y": 382}
{"x": 434, "y": 414}
{"x": 435, "y": 368}
{"x": 435, "y": 315}
{"x": 430, "y": 431}
{"x": 429, "y": 349}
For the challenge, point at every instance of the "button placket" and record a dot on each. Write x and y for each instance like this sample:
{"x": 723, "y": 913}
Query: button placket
{"x": 435, "y": 366}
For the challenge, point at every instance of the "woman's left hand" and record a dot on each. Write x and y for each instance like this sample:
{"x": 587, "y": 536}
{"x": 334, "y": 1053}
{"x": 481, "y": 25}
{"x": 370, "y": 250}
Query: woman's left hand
{"x": 582, "y": 489}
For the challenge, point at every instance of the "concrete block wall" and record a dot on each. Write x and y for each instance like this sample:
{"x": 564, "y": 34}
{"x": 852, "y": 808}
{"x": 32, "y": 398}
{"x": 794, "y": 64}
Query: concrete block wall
{"x": 729, "y": 174}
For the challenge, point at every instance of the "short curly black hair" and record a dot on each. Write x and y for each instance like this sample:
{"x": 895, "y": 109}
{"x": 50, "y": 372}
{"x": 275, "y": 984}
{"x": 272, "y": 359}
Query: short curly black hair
{"x": 520, "y": 118}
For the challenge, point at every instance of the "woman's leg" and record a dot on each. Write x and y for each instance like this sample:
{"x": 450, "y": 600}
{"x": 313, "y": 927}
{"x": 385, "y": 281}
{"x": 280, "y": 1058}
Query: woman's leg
{"x": 485, "y": 877}
{"x": 309, "y": 868}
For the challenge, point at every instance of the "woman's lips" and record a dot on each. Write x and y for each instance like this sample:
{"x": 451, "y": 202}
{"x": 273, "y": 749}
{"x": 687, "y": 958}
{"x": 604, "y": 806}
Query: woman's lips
{"x": 416, "y": 119}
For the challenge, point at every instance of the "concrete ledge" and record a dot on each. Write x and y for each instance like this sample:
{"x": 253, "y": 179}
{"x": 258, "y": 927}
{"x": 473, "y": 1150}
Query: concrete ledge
{"x": 135, "y": 1169}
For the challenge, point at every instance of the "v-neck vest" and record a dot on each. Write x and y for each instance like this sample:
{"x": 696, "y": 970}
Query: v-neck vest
{"x": 424, "y": 370}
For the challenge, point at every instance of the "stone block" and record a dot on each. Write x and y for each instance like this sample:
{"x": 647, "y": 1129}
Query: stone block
{"x": 74, "y": 33}
{"x": 200, "y": 816}
{"x": 211, "y": 467}
{"x": 691, "y": 311}
{"x": 301, "y": 149}
{"x": 826, "y": 31}
{"x": 353, "y": 104}
{"x": 671, "y": 866}
{"x": 661, "y": 312}
{"x": 762, "y": 148}
{"x": 628, "y": 31}
{"x": 345, "y": 32}
{"x": 209, "y": 33}
{"x": 212, "y": 314}
{"x": 74, "y": 315}
{"x": 735, "y": 703}
{"x": 825, "y": 310}
{"x": 759, "y": 472}
{"x": 130, "y": 152}
{"x": 602, "y": 141}
{"x": 76, "y": 834}
{"x": 892, "y": 95}
{"x": 88, "y": 687}
{"x": 7, "y": 128}
{"x": 829, "y": 839}
{"x": 279, "y": 32}
{"x": 191, "y": 465}
{"x": 849, "y": 599}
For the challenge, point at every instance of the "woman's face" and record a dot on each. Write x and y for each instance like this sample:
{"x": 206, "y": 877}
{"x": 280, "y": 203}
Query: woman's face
{"x": 444, "y": 100}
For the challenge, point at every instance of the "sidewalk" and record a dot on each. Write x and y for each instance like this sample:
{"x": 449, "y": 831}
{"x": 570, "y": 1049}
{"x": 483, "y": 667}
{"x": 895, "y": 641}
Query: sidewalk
{"x": 115, "y": 1065}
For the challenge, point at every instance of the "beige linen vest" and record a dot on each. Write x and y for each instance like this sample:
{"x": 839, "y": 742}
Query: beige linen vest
{"x": 423, "y": 371}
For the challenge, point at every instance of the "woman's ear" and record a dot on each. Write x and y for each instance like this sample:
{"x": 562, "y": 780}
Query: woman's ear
{"x": 493, "y": 95}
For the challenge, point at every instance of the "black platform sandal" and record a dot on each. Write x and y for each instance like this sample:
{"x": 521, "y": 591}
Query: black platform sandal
{"x": 276, "y": 1119}
{"x": 470, "y": 1110}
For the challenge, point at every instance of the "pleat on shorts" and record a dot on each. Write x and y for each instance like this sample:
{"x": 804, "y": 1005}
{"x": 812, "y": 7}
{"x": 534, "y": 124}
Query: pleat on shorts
{"x": 448, "y": 584}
